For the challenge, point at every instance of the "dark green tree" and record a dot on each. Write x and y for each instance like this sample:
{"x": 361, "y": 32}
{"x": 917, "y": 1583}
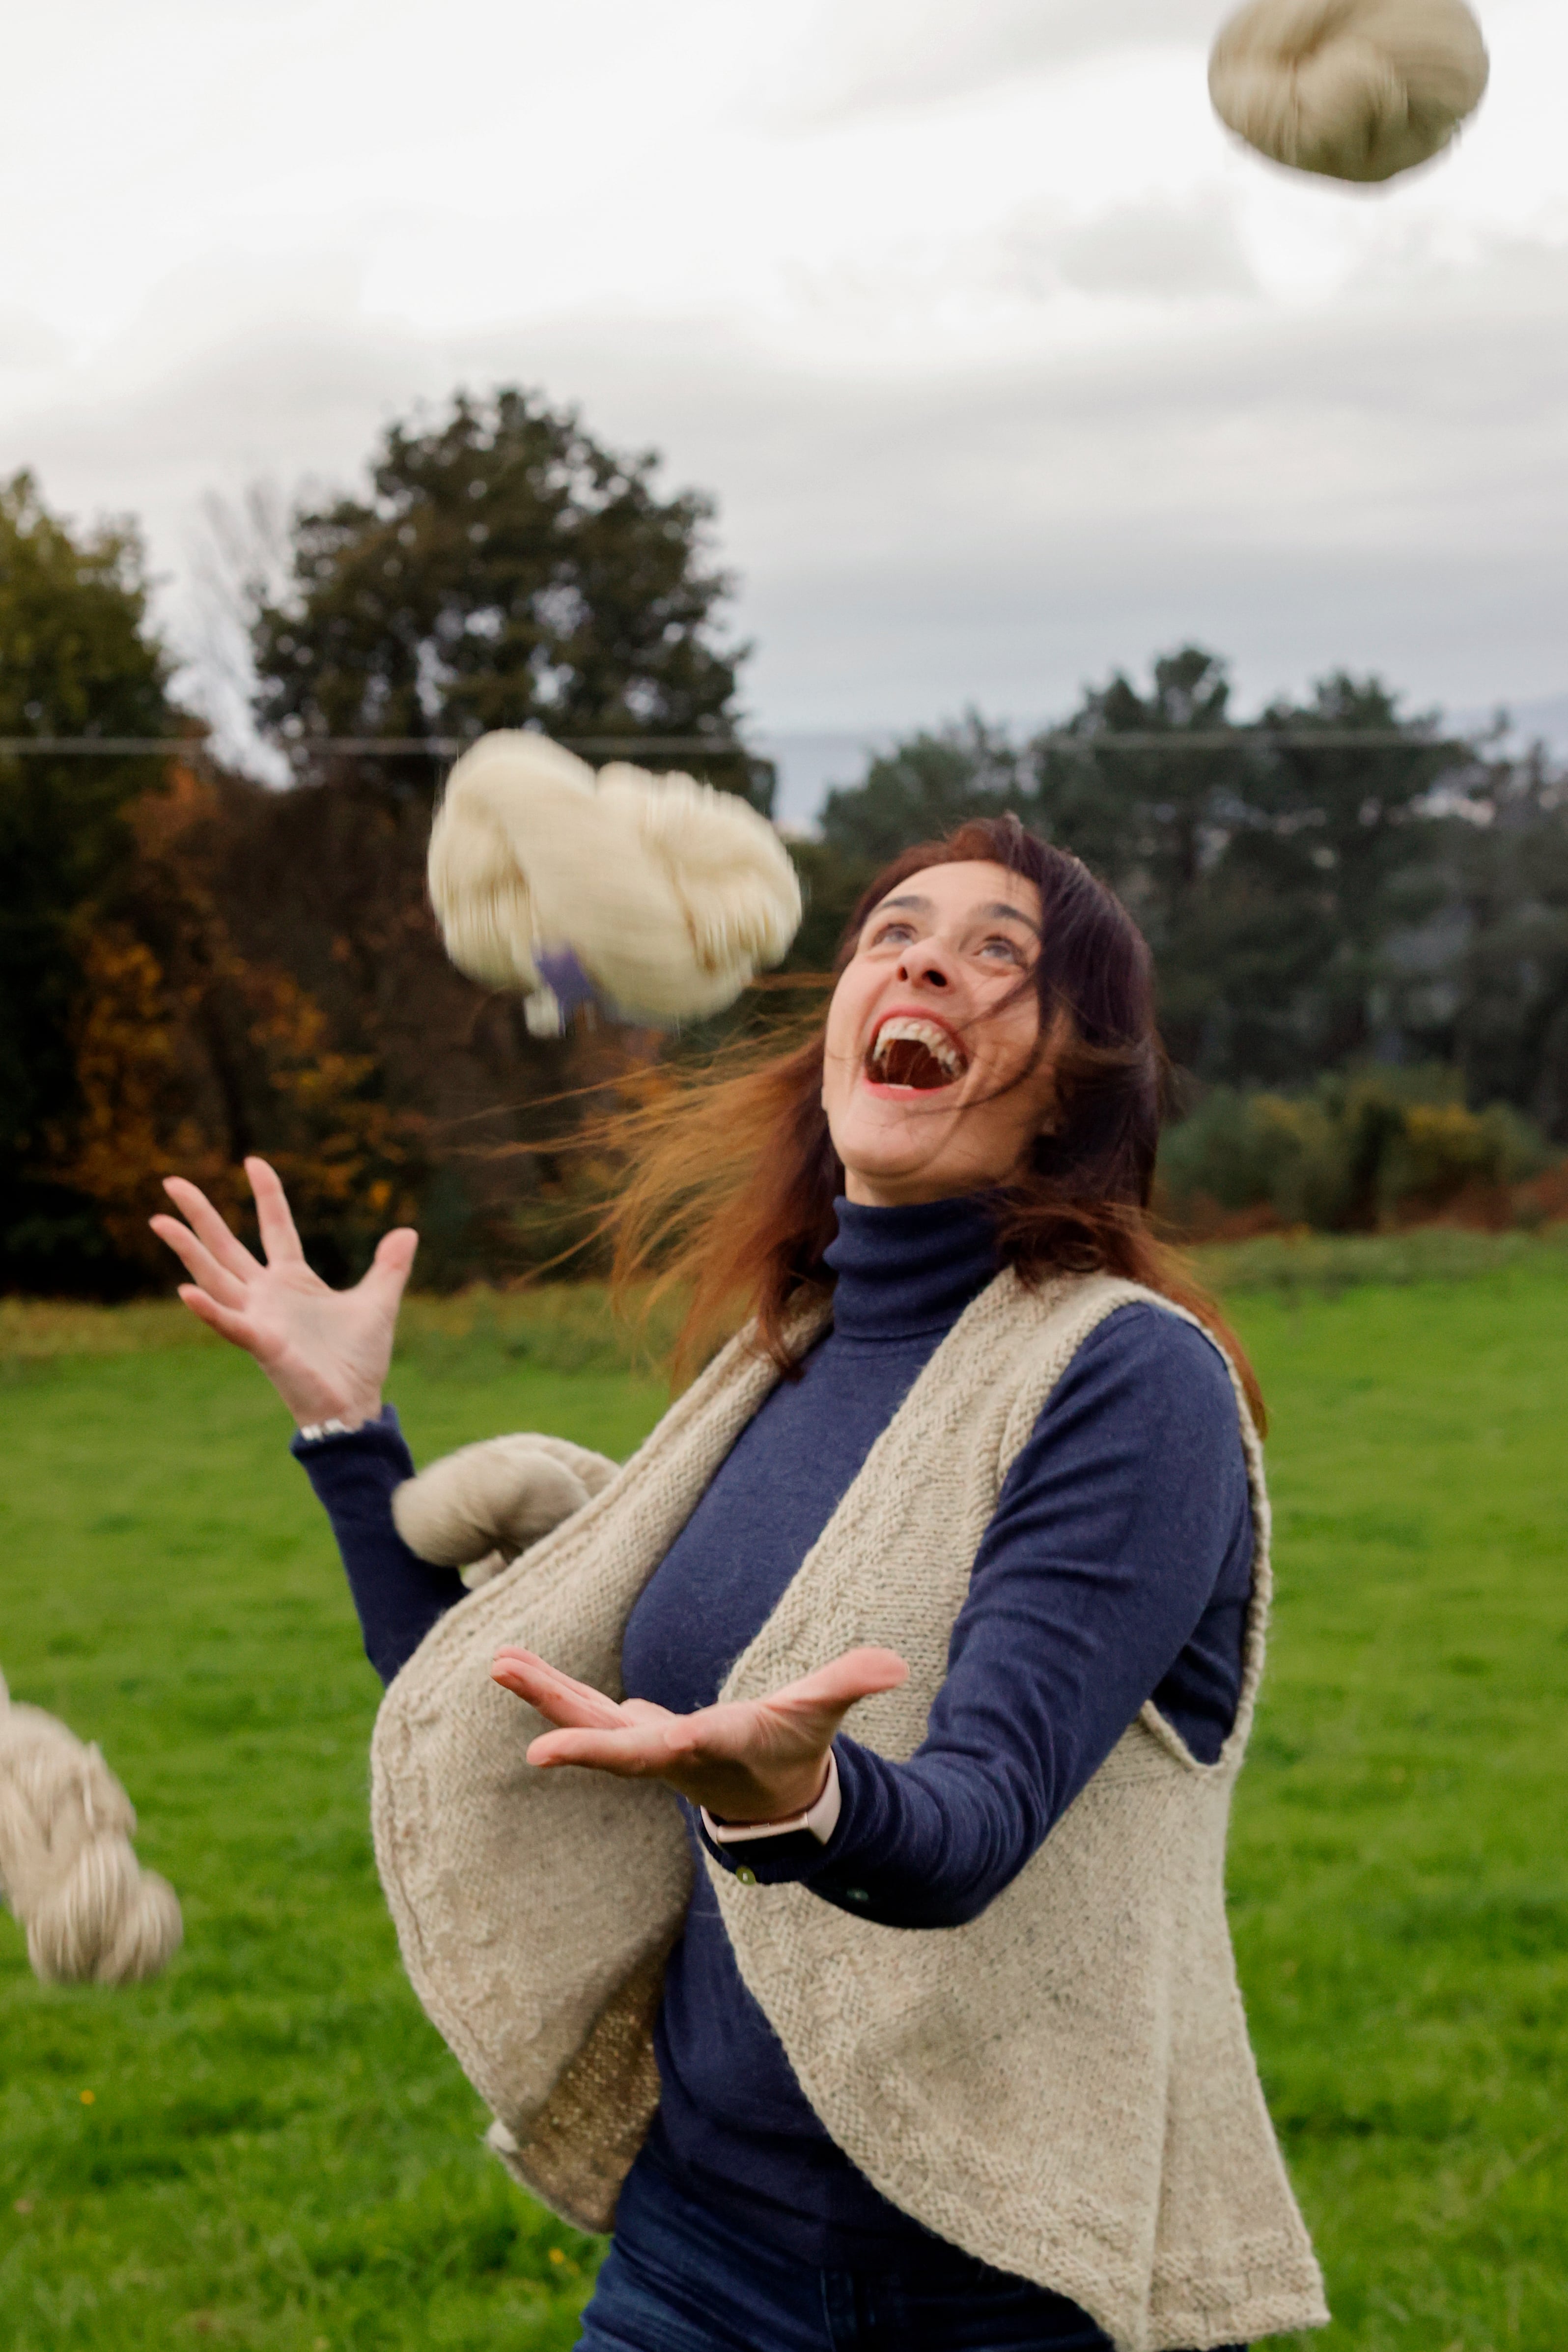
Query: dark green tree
{"x": 76, "y": 658}
{"x": 1336, "y": 862}
{"x": 1148, "y": 790}
{"x": 1283, "y": 885}
{"x": 505, "y": 570}
{"x": 921, "y": 789}
{"x": 1270, "y": 871}
{"x": 1495, "y": 983}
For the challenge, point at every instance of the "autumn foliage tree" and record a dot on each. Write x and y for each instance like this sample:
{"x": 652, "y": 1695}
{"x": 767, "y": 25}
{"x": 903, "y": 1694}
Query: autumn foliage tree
{"x": 77, "y": 659}
{"x": 267, "y": 977}
{"x": 192, "y": 1049}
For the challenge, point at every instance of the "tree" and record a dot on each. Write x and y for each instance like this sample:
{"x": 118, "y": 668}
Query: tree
{"x": 266, "y": 975}
{"x": 76, "y": 658}
{"x": 193, "y": 1047}
{"x": 1268, "y": 875}
{"x": 921, "y": 789}
{"x": 1495, "y": 979}
{"x": 1338, "y": 855}
{"x": 1155, "y": 816}
{"x": 505, "y": 570}
{"x": 1277, "y": 881}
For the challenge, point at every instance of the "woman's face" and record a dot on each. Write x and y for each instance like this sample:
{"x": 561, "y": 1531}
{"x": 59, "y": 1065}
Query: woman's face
{"x": 934, "y": 1082}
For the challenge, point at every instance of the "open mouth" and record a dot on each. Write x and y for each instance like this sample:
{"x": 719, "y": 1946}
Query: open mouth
{"x": 919, "y": 1055}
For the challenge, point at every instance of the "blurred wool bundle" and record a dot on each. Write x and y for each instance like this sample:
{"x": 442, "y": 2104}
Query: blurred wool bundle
{"x": 92, "y": 1915}
{"x": 1356, "y": 89}
{"x": 477, "y": 1509}
{"x": 657, "y": 895}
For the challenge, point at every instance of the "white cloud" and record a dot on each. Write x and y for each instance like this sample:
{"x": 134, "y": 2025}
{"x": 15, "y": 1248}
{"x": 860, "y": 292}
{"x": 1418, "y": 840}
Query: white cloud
{"x": 1005, "y": 364}
{"x": 900, "y": 53}
{"x": 27, "y": 341}
{"x": 1165, "y": 253}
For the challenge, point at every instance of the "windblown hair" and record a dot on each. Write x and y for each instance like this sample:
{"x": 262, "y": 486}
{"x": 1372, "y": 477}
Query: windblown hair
{"x": 732, "y": 1174}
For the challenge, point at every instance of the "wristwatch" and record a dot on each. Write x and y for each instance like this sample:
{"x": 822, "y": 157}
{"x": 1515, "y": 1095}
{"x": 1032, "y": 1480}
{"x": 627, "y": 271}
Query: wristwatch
{"x": 821, "y": 1818}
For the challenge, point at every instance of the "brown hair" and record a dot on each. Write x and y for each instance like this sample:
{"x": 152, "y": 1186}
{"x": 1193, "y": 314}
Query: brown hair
{"x": 732, "y": 1173}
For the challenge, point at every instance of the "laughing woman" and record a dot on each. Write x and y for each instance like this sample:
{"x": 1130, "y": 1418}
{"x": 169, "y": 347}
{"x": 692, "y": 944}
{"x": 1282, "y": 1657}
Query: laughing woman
{"x": 926, "y": 2037}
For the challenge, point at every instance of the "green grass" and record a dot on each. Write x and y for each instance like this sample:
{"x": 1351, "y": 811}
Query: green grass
{"x": 1400, "y": 1890}
{"x": 1324, "y": 1264}
{"x": 279, "y": 2152}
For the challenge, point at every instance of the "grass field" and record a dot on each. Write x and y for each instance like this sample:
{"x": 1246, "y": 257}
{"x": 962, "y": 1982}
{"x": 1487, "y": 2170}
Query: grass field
{"x": 270, "y": 2147}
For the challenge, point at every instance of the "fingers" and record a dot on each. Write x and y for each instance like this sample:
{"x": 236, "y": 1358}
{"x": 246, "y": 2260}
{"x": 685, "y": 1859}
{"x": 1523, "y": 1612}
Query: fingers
{"x": 279, "y": 1240}
{"x": 556, "y": 1696}
{"x": 392, "y": 1263}
{"x": 858, "y": 1673}
{"x": 194, "y": 1206}
{"x": 227, "y": 1288}
{"x": 223, "y": 1319}
{"x": 635, "y": 1753}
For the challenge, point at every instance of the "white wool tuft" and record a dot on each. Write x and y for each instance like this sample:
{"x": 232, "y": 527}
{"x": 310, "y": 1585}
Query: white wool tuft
{"x": 671, "y": 895}
{"x": 91, "y": 1914}
{"x": 1357, "y": 90}
{"x": 477, "y": 1509}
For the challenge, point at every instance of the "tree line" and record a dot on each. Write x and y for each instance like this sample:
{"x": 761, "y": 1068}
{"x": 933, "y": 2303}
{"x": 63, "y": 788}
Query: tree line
{"x": 194, "y": 965}
{"x": 1359, "y": 925}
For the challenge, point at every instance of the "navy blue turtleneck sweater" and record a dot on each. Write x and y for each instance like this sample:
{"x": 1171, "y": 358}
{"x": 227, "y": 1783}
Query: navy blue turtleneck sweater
{"x": 1117, "y": 1568}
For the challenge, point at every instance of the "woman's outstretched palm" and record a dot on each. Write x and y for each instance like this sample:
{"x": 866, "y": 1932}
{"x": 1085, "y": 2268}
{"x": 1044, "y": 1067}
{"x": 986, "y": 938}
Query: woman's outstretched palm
{"x": 325, "y": 1351}
{"x": 746, "y": 1759}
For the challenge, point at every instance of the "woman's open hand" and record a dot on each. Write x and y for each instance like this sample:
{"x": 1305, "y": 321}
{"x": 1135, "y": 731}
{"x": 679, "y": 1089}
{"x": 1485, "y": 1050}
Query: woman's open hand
{"x": 746, "y": 1759}
{"x": 325, "y": 1351}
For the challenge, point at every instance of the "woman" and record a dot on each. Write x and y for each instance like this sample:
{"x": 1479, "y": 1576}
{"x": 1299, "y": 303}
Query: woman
{"x": 927, "y": 2037}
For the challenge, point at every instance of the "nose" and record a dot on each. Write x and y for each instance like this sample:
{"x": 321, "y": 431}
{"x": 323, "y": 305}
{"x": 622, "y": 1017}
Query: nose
{"x": 923, "y": 965}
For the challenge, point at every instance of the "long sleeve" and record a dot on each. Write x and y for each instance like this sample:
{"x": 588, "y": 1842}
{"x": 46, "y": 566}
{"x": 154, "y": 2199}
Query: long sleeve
{"x": 1116, "y": 1569}
{"x": 398, "y": 1595}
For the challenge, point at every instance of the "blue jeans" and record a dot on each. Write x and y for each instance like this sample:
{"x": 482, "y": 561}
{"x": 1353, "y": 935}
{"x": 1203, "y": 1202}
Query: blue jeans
{"x": 677, "y": 2280}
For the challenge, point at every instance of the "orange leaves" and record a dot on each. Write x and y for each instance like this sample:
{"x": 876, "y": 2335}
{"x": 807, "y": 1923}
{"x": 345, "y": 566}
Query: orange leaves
{"x": 190, "y": 1073}
{"x": 133, "y": 1125}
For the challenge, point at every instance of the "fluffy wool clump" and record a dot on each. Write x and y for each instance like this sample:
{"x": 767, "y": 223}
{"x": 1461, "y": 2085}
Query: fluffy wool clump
{"x": 477, "y": 1509}
{"x": 669, "y": 895}
{"x": 91, "y": 1914}
{"x": 1356, "y": 89}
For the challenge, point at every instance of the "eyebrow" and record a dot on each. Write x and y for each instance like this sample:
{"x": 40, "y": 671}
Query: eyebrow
{"x": 998, "y": 911}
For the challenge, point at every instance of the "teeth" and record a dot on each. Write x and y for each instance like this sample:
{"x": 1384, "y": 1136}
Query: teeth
{"x": 935, "y": 1041}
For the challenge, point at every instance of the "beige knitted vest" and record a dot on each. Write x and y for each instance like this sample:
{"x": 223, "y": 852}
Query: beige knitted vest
{"x": 1064, "y": 2087}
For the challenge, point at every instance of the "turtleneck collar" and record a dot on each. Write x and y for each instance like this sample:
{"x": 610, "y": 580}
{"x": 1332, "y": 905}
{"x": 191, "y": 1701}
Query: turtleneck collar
{"x": 900, "y": 1272}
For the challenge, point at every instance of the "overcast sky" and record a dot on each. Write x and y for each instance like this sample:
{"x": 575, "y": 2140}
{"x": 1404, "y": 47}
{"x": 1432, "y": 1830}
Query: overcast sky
{"x": 1005, "y": 364}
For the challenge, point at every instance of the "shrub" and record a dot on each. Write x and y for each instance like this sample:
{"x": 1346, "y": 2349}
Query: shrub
{"x": 1364, "y": 1150}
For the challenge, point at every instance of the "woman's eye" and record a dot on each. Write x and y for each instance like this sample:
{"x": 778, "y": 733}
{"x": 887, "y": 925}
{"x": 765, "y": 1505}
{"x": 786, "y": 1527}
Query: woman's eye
{"x": 1006, "y": 949}
{"x": 889, "y": 934}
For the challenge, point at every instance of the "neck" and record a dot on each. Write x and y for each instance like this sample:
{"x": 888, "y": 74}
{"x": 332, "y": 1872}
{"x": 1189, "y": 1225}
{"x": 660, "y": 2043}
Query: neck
{"x": 901, "y": 1267}
{"x": 864, "y": 1191}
